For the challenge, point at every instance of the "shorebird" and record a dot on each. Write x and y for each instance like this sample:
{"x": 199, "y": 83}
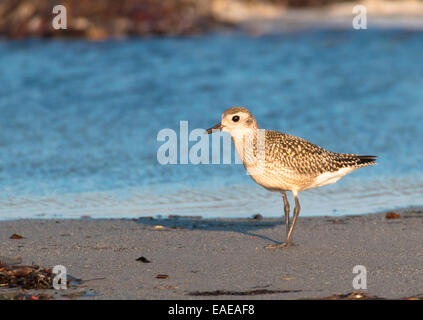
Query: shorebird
{"x": 282, "y": 162}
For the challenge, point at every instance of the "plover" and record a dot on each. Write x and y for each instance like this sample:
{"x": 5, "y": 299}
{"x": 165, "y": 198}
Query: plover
{"x": 281, "y": 162}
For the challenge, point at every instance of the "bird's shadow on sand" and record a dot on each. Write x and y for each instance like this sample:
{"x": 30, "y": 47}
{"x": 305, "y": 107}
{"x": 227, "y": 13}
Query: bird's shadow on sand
{"x": 244, "y": 226}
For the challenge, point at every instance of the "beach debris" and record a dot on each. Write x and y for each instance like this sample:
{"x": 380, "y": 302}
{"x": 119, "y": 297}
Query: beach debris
{"x": 336, "y": 221}
{"x": 74, "y": 281}
{"x": 86, "y": 292}
{"x": 392, "y": 215}
{"x": 25, "y": 296}
{"x": 175, "y": 216}
{"x": 416, "y": 297}
{"x": 74, "y": 295}
{"x": 27, "y": 277}
{"x": 239, "y": 293}
{"x": 257, "y": 216}
{"x": 16, "y": 236}
{"x": 162, "y": 276}
{"x": 30, "y": 277}
{"x": 261, "y": 286}
{"x": 143, "y": 259}
{"x": 158, "y": 227}
{"x": 80, "y": 281}
{"x": 143, "y": 218}
{"x": 355, "y": 295}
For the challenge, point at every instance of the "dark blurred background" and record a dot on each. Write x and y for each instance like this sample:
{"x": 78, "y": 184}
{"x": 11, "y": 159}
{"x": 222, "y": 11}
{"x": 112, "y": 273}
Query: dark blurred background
{"x": 99, "y": 19}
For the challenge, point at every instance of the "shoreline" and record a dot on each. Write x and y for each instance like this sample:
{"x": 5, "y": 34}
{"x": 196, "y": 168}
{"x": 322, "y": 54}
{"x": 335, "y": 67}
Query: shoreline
{"x": 160, "y": 217}
{"x": 224, "y": 258}
{"x": 359, "y": 196}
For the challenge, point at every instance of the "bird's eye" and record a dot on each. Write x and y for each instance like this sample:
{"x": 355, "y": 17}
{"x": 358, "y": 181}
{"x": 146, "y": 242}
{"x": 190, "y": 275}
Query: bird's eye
{"x": 235, "y": 118}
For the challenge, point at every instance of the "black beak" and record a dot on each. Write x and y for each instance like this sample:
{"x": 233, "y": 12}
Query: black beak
{"x": 217, "y": 127}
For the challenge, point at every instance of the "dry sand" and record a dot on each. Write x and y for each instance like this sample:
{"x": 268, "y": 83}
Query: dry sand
{"x": 226, "y": 256}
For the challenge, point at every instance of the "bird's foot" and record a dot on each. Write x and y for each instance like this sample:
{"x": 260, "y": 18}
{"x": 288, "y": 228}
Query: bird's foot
{"x": 279, "y": 246}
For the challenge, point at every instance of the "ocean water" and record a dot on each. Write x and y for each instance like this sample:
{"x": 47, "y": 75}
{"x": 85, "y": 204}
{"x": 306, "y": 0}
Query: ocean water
{"x": 79, "y": 120}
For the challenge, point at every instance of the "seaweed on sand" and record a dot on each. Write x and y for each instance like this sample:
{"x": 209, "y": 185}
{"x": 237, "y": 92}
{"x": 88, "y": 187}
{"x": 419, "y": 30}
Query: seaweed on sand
{"x": 26, "y": 277}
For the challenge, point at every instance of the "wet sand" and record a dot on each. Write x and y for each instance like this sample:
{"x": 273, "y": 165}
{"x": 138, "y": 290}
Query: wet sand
{"x": 225, "y": 259}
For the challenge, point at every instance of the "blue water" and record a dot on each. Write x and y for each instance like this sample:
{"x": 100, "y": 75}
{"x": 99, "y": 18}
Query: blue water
{"x": 79, "y": 120}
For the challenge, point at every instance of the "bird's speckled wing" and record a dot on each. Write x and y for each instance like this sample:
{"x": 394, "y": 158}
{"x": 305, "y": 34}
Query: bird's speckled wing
{"x": 303, "y": 157}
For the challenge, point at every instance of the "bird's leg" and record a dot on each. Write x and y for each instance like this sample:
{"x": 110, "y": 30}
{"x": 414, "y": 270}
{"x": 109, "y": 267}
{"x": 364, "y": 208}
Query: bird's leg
{"x": 286, "y": 210}
{"x": 290, "y": 229}
{"x": 294, "y": 219}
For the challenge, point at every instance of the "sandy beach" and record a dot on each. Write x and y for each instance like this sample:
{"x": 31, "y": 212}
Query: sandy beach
{"x": 224, "y": 258}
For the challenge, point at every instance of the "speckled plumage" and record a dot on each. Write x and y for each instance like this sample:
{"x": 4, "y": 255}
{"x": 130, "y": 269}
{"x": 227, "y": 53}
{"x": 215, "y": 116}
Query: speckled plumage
{"x": 305, "y": 157}
{"x": 292, "y": 163}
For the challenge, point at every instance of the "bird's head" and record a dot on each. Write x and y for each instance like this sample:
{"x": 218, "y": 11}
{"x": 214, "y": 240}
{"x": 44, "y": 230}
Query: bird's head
{"x": 236, "y": 119}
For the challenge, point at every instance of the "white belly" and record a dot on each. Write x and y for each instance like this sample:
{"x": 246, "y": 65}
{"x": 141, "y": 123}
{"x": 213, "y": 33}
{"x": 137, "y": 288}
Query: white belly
{"x": 330, "y": 177}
